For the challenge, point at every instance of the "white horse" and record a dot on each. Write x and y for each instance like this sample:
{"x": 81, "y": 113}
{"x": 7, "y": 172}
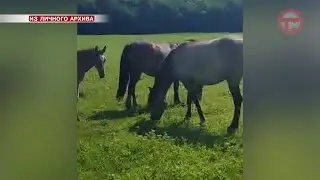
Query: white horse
{"x": 197, "y": 64}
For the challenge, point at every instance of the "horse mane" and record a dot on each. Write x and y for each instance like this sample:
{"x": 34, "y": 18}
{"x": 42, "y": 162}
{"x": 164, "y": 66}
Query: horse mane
{"x": 190, "y": 40}
{"x": 86, "y": 50}
{"x": 187, "y": 41}
{"x": 140, "y": 41}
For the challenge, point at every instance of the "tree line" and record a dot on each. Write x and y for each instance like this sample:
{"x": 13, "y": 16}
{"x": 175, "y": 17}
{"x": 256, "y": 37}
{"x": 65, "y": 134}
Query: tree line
{"x": 163, "y": 16}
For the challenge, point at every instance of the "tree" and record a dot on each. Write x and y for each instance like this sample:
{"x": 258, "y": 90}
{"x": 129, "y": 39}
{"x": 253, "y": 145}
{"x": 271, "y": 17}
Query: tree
{"x": 163, "y": 16}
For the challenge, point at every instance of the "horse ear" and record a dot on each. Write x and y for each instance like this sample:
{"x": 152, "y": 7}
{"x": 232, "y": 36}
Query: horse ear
{"x": 96, "y": 48}
{"x": 104, "y": 49}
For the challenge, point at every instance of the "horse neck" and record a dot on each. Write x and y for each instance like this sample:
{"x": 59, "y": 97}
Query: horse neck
{"x": 86, "y": 61}
{"x": 163, "y": 80}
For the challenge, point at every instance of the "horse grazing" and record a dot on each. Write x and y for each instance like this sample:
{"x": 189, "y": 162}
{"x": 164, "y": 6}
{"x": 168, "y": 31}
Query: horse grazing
{"x": 141, "y": 57}
{"x": 86, "y": 59}
{"x": 197, "y": 64}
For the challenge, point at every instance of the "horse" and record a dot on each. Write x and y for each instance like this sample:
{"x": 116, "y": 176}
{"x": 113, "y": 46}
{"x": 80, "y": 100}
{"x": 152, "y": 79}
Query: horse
{"x": 141, "y": 57}
{"x": 86, "y": 59}
{"x": 197, "y": 64}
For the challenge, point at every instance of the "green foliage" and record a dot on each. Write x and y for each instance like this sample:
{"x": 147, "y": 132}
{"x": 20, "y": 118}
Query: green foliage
{"x": 111, "y": 144}
{"x": 162, "y": 16}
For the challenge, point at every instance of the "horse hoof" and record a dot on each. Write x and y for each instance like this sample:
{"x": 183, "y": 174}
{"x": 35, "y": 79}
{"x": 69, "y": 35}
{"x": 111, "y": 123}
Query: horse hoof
{"x": 202, "y": 124}
{"x": 118, "y": 100}
{"x": 81, "y": 95}
{"x": 166, "y": 105}
{"x": 231, "y": 130}
{"x": 186, "y": 118}
{"x": 176, "y": 103}
{"x": 136, "y": 109}
{"x": 128, "y": 106}
{"x": 153, "y": 125}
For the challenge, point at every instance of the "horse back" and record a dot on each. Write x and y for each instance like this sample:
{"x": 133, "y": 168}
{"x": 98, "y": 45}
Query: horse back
{"x": 147, "y": 56}
{"x": 221, "y": 50}
{"x": 208, "y": 62}
{"x": 230, "y": 49}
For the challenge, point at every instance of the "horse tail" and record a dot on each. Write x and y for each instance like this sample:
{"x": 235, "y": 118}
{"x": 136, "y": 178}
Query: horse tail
{"x": 124, "y": 75}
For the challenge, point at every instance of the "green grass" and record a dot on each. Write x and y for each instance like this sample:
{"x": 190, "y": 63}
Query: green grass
{"x": 110, "y": 147}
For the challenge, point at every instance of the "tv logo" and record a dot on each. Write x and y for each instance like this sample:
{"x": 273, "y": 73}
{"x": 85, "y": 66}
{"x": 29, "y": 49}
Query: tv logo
{"x": 290, "y": 22}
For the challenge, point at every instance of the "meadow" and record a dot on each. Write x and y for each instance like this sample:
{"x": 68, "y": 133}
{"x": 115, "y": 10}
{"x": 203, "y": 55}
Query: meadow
{"x": 110, "y": 143}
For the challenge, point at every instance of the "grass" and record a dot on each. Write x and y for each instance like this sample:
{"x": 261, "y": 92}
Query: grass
{"x": 110, "y": 142}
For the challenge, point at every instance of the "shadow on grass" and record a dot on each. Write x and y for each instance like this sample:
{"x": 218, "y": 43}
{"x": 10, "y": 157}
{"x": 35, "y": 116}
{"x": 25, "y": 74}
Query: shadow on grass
{"x": 181, "y": 132}
{"x": 116, "y": 114}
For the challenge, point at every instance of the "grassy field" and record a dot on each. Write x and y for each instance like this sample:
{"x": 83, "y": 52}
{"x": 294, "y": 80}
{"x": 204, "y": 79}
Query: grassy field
{"x": 110, "y": 146}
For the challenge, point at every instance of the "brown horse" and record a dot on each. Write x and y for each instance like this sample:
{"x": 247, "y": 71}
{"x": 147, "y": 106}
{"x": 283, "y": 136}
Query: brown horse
{"x": 141, "y": 57}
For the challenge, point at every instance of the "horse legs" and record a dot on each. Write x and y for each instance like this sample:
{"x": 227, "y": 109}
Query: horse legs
{"x": 129, "y": 95}
{"x": 132, "y": 91}
{"x": 78, "y": 99}
{"x": 176, "y": 92}
{"x": 134, "y": 100}
{"x": 199, "y": 92}
{"x": 189, "y": 101}
{"x": 80, "y": 77}
{"x": 237, "y": 100}
{"x": 78, "y": 92}
{"x": 200, "y": 113}
{"x": 193, "y": 96}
